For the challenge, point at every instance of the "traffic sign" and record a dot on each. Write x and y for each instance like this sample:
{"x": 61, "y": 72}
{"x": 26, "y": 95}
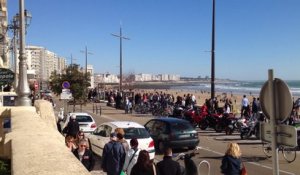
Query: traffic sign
{"x": 65, "y": 85}
{"x": 283, "y": 100}
{"x": 286, "y": 134}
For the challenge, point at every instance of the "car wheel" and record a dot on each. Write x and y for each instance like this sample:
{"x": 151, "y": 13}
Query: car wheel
{"x": 218, "y": 128}
{"x": 192, "y": 147}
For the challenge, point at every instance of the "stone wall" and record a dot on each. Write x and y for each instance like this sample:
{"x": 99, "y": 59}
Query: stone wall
{"x": 34, "y": 145}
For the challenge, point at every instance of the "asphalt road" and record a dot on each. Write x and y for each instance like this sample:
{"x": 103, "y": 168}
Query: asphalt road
{"x": 212, "y": 144}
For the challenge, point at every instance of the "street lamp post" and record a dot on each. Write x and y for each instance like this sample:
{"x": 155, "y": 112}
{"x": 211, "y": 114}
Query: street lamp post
{"x": 121, "y": 37}
{"x": 86, "y": 58}
{"x": 14, "y": 26}
{"x": 213, "y": 54}
{"x": 23, "y": 88}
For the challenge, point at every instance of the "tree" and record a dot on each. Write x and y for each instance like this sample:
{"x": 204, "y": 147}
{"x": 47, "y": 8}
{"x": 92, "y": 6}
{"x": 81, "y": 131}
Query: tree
{"x": 76, "y": 79}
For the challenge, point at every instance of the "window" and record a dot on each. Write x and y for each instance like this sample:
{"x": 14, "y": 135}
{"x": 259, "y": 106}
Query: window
{"x": 83, "y": 118}
{"x": 138, "y": 133}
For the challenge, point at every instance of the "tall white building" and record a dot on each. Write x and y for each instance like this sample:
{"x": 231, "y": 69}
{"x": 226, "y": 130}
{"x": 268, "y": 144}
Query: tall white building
{"x": 105, "y": 78}
{"x": 43, "y": 62}
{"x": 4, "y": 50}
{"x": 90, "y": 70}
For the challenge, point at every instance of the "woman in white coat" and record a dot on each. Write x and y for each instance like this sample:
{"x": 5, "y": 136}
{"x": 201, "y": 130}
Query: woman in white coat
{"x": 131, "y": 156}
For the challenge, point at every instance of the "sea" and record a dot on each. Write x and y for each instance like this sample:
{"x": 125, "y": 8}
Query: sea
{"x": 238, "y": 87}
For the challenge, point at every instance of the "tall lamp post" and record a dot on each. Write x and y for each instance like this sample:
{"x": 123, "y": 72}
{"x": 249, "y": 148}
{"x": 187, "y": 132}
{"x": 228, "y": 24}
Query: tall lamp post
{"x": 14, "y": 26}
{"x": 121, "y": 38}
{"x": 23, "y": 88}
{"x": 86, "y": 58}
{"x": 213, "y": 54}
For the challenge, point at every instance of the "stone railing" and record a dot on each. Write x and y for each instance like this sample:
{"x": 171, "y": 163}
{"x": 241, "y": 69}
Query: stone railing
{"x": 34, "y": 145}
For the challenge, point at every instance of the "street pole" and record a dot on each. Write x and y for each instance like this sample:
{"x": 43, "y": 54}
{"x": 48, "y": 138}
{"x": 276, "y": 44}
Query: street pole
{"x": 273, "y": 122}
{"x": 213, "y": 54}
{"x": 86, "y": 58}
{"x": 23, "y": 88}
{"x": 121, "y": 38}
{"x": 15, "y": 52}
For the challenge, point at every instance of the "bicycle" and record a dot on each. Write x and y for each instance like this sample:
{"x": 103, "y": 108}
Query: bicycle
{"x": 289, "y": 153}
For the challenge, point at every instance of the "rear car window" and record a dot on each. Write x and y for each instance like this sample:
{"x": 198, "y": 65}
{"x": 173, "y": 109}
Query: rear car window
{"x": 138, "y": 133}
{"x": 181, "y": 126}
{"x": 83, "y": 118}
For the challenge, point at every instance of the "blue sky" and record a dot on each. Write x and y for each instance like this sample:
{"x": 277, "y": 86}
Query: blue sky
{"x": 172, "y": 36}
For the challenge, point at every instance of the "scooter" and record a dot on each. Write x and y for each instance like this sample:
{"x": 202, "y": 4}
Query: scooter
{"x": 190, "y": 168}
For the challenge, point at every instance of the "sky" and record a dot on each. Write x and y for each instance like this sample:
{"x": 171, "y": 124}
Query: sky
{"x": 171, "y": 36}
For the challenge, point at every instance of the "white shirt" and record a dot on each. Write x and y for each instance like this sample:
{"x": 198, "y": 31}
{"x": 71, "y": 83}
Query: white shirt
{"x": 129, "y": 155}
{"x": 245, "y": 102}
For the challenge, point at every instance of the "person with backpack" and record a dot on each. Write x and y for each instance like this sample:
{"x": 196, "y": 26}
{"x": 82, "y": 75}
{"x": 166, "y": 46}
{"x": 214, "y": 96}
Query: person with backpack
{"x": 72, "y": 128}
{"x": 131, "y": 156}
{"x": 113, "y": 156}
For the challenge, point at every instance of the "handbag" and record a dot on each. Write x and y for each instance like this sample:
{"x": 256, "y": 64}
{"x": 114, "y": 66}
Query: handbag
{"x": 243, "y": 170}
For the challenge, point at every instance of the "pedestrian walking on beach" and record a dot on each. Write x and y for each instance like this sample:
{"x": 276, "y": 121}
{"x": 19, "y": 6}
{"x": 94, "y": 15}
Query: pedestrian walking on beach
{"x": 84, "y": 155}
{"x": 143, "y": 166}
{"x": 131, "y": 156}
{"x": 113, "y": 156}
{"x": 72, "y": 128}
{"x": 231, "y": 162}
{"x": 168, "y": 166}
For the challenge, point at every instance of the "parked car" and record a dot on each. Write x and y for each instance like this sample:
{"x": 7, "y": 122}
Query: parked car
{"x": 172, "y": 132}
{"x": 101, "y": 136}
{"x": 86, "y": 122}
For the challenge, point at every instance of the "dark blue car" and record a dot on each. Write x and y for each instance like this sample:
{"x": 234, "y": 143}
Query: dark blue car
{"x": 172, "y": 132}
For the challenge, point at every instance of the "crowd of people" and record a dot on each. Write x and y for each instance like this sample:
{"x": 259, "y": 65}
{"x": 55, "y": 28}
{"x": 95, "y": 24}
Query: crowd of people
{"x": 121, "y": 158}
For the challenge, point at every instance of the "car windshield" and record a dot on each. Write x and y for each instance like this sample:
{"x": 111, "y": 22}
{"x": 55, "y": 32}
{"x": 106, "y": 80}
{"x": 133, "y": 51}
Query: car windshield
{"x": 138, "y": 133}
{"x": 181, "y": 126}
{"x": 83, "y": 118}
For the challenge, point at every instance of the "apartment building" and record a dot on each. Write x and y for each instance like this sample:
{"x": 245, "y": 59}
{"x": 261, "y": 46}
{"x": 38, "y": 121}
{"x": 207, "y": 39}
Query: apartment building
{"x": 4, "y": 49}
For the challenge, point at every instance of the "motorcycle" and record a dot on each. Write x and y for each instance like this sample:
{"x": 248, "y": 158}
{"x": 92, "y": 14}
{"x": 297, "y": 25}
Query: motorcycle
{"x": 249, "y": 129}
{"x": 210, "y": 120}
{"x": 190, "y": 167}
{"x": 226, "y": 123}
{"x": 194, "y": 115}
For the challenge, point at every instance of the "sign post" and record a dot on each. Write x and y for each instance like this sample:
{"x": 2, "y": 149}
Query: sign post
{"x": 276, "y": 103}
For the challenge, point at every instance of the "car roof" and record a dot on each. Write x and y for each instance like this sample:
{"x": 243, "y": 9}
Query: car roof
{"x": 126, "y": 124}
{"x": 79, "y": 113}
{"x": 170, "y": 119}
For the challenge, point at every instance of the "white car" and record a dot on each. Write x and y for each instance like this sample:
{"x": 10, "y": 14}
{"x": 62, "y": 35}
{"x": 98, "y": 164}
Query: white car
{"x": 86, "y": 122}
{"x": 101, "y": 136}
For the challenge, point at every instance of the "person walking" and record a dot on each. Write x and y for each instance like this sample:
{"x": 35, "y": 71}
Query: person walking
{"x": 231, "y": 162}
{"x": 143, "y": 166}
{"x": 84, "y": 155}
{"x": 131, "y": 156}
{"x": 72, "y": 127}
{"x": 168, "y": 166}
{"x": 245, "y": 107}
{"x": 113, "y": 156}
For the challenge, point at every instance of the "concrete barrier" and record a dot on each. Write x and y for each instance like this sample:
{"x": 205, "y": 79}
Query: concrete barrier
{"x": 34, "y": 145}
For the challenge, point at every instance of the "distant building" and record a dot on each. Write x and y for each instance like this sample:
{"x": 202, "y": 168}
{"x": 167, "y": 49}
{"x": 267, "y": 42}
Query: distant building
{"x": 159, "y": 77}
{"x": 105, "y": 78}
{"x": 90, "y": 70}
{"x": 4, "y": 49}
{"x": 42, "y": 63}
{"x": 174, "y": 77}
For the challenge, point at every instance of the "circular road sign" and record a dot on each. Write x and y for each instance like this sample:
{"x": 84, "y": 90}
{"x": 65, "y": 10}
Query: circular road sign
{"x": 66, "y": 85}
{"x": 283, "y": 100}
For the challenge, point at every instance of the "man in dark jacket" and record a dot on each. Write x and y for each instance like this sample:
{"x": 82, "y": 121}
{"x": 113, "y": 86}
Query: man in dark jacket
{"x": 72, "y": 128}
{"x": 84, "y": 155}
{"x": 168, "y": 166}
{"x": 113, "y": 156}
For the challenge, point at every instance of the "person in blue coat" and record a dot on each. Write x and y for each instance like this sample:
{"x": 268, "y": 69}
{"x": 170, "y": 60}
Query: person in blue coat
{"x": 231, "y": 162}
{"x": 113, "y": 156}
